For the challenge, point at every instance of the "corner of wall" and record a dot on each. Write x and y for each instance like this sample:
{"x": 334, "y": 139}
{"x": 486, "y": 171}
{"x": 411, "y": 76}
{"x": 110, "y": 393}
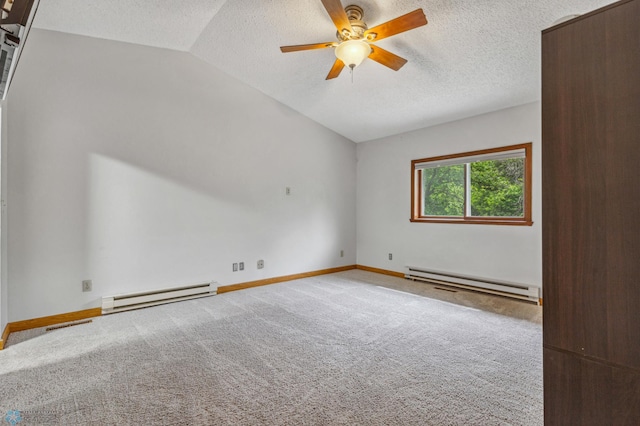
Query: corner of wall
{"x": 383, "y": 202}
{"x": 4, "y": 303}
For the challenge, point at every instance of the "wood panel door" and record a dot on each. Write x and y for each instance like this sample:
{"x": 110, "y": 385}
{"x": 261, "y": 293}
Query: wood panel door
{"x": 574, "y": 187}
{"x": 591, "y": 217}
{"x": 591, "y": 189}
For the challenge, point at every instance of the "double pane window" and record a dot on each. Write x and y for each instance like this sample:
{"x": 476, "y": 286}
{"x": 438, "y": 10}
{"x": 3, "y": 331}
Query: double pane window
{"x": 488, "y": 186}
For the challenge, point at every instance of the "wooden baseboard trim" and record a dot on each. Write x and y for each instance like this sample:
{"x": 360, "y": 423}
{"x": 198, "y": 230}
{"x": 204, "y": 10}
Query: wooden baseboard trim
{"x": 380, "y": 271}
{"x": 275, "y": 280}
{"x": 46, "y": 321}
{"x": 53, "y": 319}
{"x": 5, "y": 336}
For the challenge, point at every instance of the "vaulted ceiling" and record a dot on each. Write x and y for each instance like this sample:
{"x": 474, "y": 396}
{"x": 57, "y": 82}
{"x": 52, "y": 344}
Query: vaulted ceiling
{"x": 473, "y": 56}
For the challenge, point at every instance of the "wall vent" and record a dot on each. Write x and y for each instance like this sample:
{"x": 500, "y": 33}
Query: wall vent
{"x": 127, "y": 302}
{"x": 486, "y": 285}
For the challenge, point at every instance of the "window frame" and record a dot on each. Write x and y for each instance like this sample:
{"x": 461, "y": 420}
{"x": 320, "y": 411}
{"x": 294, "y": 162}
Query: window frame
{"x": 417, "y": 193}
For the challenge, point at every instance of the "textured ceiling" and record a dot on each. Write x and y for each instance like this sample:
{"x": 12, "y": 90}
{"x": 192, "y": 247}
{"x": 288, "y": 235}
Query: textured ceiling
{"x": 472, "y": 57}
{"x": 174, "y": 24}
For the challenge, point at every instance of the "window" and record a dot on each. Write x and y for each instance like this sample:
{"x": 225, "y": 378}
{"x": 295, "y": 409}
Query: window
{"x": 491, "y": 186}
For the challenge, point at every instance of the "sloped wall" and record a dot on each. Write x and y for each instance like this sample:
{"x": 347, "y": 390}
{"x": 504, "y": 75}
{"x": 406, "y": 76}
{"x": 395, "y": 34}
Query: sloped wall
{"x": 143, "y": 168}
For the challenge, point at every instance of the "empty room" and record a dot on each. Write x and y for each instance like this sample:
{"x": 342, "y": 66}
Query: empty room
{"x": 319, "y": 212}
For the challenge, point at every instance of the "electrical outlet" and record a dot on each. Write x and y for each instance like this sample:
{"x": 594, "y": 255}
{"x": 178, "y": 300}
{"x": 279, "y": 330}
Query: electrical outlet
{"x": 390, "y": 256}
{"x": 235, "y": 267}
{"x": 87, "y": 285}
{"x": 242, "y": 266}
{"x": 341, "y": 253}
{"x": 287, "y": 191}
{"x": 260, "y": 264}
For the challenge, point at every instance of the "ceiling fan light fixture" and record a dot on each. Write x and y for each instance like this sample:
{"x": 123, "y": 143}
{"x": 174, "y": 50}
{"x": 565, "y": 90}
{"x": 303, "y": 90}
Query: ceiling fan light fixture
{"x": 353, "y": 52}
{"x": 355, "y": 38}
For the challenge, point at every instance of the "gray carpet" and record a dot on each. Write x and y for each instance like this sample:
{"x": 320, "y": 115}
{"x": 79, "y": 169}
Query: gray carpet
{"x": 329, "y": 350}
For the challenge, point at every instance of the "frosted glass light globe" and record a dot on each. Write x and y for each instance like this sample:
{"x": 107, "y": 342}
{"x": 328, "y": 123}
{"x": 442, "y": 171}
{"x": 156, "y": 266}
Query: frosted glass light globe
{"x": 353, "y": 52}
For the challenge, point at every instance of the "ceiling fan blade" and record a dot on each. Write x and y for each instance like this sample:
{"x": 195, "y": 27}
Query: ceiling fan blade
{"x": 399, "y": 25}
{"x": 299, "y": 47}
{"x": 337, "y": 14}
{"x": 335, "y": 69}
{"x": 386, "y": 58}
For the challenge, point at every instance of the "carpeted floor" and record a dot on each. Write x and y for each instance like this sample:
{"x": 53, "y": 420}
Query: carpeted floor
{"x": 329, "y": 350}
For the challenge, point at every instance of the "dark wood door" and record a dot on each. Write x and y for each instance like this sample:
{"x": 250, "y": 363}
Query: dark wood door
{"x": 591, "y": 217}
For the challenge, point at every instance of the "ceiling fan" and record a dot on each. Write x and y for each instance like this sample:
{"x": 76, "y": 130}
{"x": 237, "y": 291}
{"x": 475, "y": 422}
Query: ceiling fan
{"x": 355, "y": 39}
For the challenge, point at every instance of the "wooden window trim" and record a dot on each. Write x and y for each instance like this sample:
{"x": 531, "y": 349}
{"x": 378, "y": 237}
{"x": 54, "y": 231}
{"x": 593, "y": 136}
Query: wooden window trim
{"x": 417, "y": 201}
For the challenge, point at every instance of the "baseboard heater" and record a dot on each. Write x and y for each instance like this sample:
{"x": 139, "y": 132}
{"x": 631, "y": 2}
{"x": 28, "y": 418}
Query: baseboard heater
{"x": 127, "y": 302}
{"x": 502, "y": 288}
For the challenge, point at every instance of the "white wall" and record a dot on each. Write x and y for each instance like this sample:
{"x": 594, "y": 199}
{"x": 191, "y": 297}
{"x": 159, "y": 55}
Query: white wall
{"x": 384, "y": 181}
{"x": 4, "y": 287}
{"x": 144, "y": 168}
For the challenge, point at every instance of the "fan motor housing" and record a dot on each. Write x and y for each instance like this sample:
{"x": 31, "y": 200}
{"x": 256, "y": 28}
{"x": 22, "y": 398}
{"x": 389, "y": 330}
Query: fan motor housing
{"x": 358, "y": 26}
